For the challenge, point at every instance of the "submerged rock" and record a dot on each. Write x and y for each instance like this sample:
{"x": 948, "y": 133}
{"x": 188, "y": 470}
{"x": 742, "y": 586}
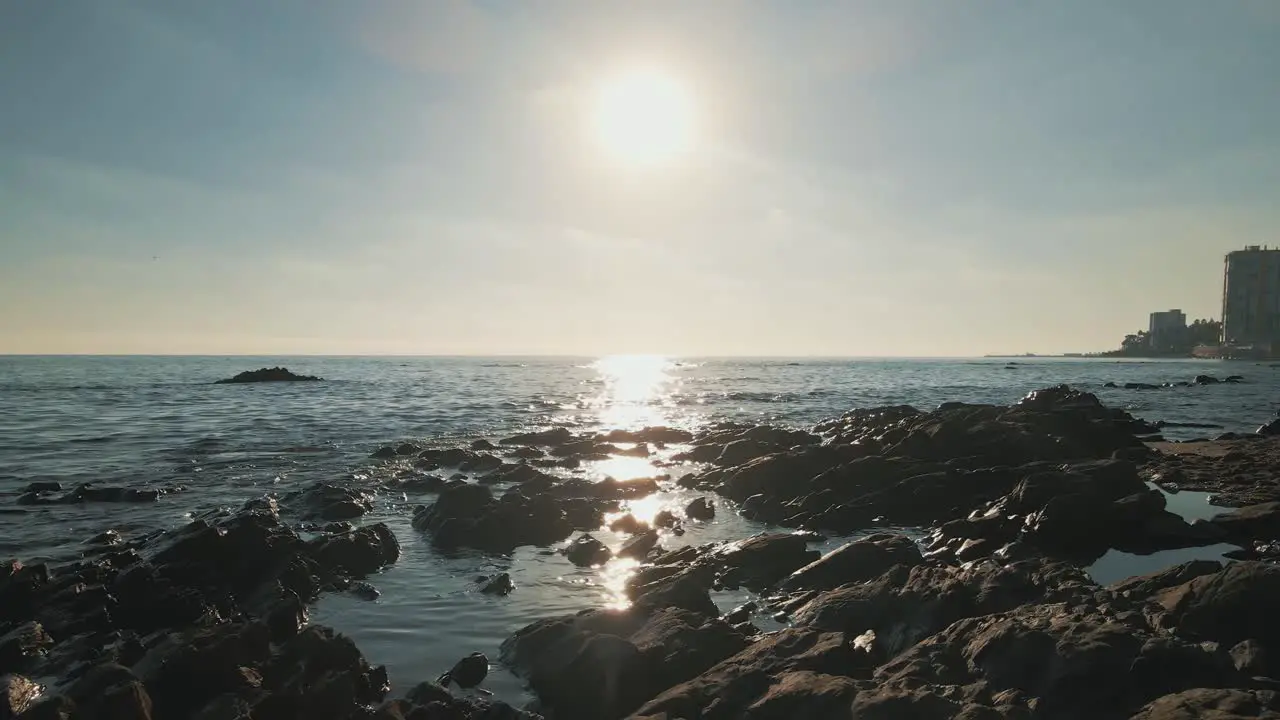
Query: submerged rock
{"x": 274, "y": 374}
{"x": 700, "y": 509}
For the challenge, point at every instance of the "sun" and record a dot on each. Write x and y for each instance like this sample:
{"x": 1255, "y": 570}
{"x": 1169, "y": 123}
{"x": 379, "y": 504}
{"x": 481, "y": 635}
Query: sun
{"x": 644, "y": 117}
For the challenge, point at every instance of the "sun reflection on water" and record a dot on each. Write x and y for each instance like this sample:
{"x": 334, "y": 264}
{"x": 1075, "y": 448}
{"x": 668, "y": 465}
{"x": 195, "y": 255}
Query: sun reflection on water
{"x": 614, "y": 577}
{"x": 637, "y": 389}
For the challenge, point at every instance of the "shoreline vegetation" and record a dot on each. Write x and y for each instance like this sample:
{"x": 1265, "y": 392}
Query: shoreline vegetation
{"x": 983, "y": 611}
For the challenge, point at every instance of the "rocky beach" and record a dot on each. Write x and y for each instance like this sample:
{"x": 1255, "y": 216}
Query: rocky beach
{"x": 911, "y": 563}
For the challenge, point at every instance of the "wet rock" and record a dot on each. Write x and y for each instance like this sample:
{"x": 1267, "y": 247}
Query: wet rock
{"x": 700, "y": 509}
{"x": 499, "y": 584}
{"x": 639, "y": 546}
{"x": 482, "y": 445}
{"x": 600, "y": 665}
{"x": 417, "y": 484}
{"x": 357, "y": 552}
{"x": 552, "y": 437}
{"x": 17, "y": 693}
{"x": 858, "y": 561}
{"x": 1206, "y": 380}
{"x": 665, "y": 519}
{"x": 90, "y": 492}
{"x": 22, "y": 645}
{"x": 649, "y": 435}
{"x": 274, "y": 374}
{"x": 469, "y": 516}
{"x": 325, "y": 501}
{"x": 383, "y": 453}
{"x": 364, "y": 591}
{"x": 628, "y": 524}
{"x": 586, "y": 551}
{"x": 526, "y": 452}
{"x": 762, "y": 560}
{"x": 1271, "y": 429}
{"x": 468, "y": 672}
{"x": 46, "y": 486}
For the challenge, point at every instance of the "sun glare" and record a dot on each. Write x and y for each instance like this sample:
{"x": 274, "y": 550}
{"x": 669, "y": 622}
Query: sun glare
{"x": 643, "y": 118}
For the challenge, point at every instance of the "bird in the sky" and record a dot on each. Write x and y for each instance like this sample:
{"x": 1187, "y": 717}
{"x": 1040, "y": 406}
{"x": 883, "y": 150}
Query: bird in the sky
{"x": 469, "y": 672}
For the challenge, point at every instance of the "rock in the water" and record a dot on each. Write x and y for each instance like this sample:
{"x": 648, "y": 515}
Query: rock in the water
{"x": 499, "y": 584}
{"x": 586, "y": 551}
{"x": 639, "y": 546}
{"x": 1270, "y": 429}
{"x": 700, "y": 509}
{"x": 468, "y": 672}
{"x": 274, "y": 374}
{"x": 628, "y": 524}
{"x": 601, "y": 665}
{"x": 554, "y": 436}
{"x": 1206, "y": 380}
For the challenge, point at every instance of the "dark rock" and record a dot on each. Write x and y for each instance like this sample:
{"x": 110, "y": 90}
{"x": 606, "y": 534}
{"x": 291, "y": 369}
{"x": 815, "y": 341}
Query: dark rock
{"x": 665, "y": 519}
{"x": 275, "y": 374}
{"x": 526, "y": 452}
{"x": 553, "y": 436}
{"x": 700, "y": 509}
{"x": 482, "y": 445}
{"x": 649, "y": 435}
{"x": 1270, "y": 429}
{"x": 1234, "y": 379}
{"x": 600, "y": 665}
{"x": 586, "y": 551}
{"x": 762, "y": 560}
{"x": 417, "y": 484}
{"x": 1140, "y": 386}
{"x": 1206, "y": 380}
{"x": 628, "y": 524}
{"x": 358, "y": 552}
{"x": 325, "y": 501}
{"x": 21, "y": 645}
{"x": 499, "y": 584}
{"x": 383, "y": 453}
{"x": 858, "y": 561}
{"x": 43, "y": 487}
{"x": 364, "y": 591}
{"x": 468, "y": 672}
{"x": 639, "y": 546}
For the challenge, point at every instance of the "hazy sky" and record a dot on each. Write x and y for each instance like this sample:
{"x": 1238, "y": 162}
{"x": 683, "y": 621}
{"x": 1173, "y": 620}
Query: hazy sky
{"x": 861, "y": 178}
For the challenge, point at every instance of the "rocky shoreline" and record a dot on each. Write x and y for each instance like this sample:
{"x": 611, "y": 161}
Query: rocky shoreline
{"x": 989, "y": 615}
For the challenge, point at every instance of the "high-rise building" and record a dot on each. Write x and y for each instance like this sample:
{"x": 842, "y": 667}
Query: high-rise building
{"x": 1251, "y": 299}
{"x": 1167, "y": 329}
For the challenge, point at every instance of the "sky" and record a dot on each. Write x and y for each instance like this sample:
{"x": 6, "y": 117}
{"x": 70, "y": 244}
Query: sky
{"x": 859, "y": 178}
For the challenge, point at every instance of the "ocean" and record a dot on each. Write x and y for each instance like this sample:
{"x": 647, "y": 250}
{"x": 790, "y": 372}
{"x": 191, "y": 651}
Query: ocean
{"x": 160, "y": 422}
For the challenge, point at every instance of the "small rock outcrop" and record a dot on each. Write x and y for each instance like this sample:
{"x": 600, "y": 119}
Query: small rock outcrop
{"x": 274, "y": 374}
